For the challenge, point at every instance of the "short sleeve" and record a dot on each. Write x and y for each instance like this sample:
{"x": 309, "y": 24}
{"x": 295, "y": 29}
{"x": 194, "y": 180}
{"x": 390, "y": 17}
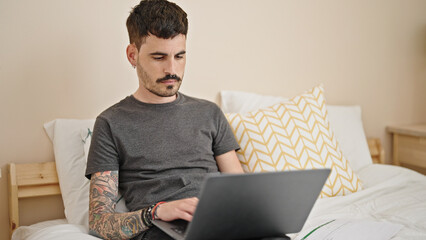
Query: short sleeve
{"x": 103, "y": 154}
{"x": 224, "y": 141}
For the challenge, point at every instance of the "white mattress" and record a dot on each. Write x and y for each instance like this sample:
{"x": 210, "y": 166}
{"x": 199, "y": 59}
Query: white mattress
{"x": 392, "y": 194}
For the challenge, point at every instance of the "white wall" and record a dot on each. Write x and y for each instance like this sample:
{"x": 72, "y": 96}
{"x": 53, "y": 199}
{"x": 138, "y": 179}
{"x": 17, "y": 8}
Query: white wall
{"x": 66, "y": 59}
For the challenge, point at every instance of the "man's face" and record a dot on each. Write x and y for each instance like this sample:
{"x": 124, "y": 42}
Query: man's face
{"x": 161, "y": 64}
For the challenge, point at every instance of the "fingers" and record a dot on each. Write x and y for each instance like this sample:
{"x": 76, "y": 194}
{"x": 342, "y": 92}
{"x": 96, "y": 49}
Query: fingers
{"x": 188, "y": 208}
{"x": 179, "y": 209}
{"x": 185, "y": 216}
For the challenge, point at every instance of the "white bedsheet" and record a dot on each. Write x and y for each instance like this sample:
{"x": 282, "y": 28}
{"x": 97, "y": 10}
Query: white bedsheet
{"x": 391, "y": 194}
{"x": 52, "y": 230}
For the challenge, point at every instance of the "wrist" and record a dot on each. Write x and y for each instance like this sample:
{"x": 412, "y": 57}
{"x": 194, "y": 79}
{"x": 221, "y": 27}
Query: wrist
{"x": 150, "y": 213}
{"x": 155, "y": 210}
{"x": 146, "y": 216}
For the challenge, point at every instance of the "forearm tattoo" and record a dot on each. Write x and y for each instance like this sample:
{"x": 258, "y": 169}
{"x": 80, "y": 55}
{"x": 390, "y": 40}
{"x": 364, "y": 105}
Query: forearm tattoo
{"x": 103, "y": 220}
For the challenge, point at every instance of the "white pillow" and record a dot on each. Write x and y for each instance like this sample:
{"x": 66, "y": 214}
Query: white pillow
{"x": 345, "y": 122}
{"x": 71, "y": 142}
{"x": 244, "y": 102}
{"x": 71, "y": 166}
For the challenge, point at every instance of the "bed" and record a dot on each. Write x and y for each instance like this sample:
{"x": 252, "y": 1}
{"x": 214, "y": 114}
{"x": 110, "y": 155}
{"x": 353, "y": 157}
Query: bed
{"x": 382, "y": 193}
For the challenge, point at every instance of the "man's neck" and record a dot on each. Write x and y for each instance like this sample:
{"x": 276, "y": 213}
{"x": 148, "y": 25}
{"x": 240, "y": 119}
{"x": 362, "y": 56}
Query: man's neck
{"x": 146, "y": 96}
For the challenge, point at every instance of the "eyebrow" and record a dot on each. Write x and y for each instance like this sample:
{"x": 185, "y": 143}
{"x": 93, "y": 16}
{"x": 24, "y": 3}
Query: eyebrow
{"x": 165, "y": 54}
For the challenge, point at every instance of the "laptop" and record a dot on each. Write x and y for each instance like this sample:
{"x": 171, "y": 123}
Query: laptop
{"x": 251, "y": 206}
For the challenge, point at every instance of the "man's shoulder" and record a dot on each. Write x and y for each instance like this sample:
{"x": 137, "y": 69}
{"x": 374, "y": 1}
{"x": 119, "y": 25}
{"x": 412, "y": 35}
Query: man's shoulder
{"x": 116, "y": 109}
{"x": 199, "y": 101}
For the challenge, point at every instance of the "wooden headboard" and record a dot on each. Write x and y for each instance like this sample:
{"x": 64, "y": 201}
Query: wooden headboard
{"x": 41, "y": 179}
{"x": 30, "y": 180}
{"x": 376, "y": 150}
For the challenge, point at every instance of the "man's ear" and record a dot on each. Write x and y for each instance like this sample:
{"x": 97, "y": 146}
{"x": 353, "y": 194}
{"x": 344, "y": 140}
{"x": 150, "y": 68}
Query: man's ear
{"x": 132, "y": 54}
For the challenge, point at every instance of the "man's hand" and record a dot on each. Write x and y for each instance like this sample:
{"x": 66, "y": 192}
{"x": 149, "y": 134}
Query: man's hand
{"x": 179, "y": 209}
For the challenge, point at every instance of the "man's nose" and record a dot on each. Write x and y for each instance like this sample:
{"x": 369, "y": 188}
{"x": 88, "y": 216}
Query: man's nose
{"x": 170, "y": 67}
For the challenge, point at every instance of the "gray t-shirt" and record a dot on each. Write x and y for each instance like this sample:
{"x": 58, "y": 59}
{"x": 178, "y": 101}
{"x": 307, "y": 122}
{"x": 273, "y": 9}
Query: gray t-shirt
{"x": 162, "y": 151}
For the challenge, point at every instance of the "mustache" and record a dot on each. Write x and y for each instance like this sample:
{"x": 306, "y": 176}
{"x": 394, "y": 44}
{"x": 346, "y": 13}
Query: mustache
{"x": 168, "y": 77}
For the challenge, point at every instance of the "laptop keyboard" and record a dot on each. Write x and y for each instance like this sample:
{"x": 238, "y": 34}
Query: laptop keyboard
{"x": 180, "y": 227}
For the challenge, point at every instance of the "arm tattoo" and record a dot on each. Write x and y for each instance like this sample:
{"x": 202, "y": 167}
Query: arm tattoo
{"x": 103, "y": 220}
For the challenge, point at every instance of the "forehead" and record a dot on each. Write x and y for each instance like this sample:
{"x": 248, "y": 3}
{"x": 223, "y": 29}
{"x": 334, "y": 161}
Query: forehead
{"x": 170, "y": 45}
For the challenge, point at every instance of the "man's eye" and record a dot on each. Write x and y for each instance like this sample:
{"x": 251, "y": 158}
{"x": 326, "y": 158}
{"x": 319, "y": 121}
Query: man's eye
{"x": 179, "y": 56}
{"x": 158, "y": 58}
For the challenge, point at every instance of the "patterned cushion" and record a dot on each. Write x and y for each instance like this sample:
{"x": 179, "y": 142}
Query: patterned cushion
{"x": 294, "y": 135}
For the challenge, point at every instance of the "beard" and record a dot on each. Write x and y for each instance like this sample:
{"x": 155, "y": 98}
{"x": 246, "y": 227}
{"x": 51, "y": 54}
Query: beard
{"x": 156, "y": 86}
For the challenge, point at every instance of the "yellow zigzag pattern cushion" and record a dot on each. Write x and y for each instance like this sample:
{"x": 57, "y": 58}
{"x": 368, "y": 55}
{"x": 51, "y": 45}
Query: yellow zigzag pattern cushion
{"x": 294, "y": 135}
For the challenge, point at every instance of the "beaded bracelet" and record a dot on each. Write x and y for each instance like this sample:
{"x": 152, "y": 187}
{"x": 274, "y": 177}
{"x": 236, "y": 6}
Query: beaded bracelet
{"x": 154, "y": 210}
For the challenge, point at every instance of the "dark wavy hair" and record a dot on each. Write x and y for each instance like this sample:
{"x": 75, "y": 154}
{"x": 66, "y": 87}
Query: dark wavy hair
{"x": 157, "y": 17}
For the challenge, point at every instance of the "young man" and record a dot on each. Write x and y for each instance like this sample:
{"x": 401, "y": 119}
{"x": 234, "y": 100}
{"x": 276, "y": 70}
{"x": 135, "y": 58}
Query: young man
{"x": 157, "y": 145}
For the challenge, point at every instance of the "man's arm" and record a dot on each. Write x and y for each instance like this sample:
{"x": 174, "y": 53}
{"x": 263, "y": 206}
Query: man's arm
{"x": 103, "y": 220}
{"x": 229, "y": 163}
{"x": 106, "y": 223}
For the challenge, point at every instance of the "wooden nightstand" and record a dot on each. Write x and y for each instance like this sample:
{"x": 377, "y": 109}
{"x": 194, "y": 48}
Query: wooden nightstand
{"x": 409, "y": 146}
